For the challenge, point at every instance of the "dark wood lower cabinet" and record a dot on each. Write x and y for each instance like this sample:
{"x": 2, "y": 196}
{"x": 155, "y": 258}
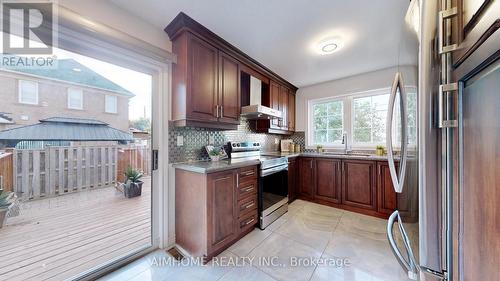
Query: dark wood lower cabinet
{"x": 358, "y": 188}
{"x": 362, "y": 186}
{"x": 328, "y": 180}
{"x": 292, "y": 178}
{"x": 306, "y": 177}
{"x": 386, "y": 196}
{"x": 214, "y": 210}
{"x": 222, "y": 209}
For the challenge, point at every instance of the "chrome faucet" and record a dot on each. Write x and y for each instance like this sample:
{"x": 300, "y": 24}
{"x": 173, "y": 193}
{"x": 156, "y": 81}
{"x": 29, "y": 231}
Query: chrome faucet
{"x": 344, "y": 142}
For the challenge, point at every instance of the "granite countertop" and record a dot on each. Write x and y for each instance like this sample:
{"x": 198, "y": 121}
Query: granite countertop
{"x": 340, "y": 155}
{"x": 206, "y": 167}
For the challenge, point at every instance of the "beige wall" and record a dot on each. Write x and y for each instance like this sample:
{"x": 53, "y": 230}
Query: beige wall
{"x": 117, "y": 18}
{"x": 354, "y": 84}
{"x": 53, "y": 102}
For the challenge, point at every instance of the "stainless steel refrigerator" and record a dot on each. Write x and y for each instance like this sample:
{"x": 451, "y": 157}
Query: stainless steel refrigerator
{"x": 456, "y": 158}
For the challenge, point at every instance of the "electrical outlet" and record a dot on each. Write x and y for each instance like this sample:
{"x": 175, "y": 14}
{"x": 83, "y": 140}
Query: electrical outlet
{"x": 180, "y": 140}
{"x": 276, "y": 141}
{"x": 211, "y": 140}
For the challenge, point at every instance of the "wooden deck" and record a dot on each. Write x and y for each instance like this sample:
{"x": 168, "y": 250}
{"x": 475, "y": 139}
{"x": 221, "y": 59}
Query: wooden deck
{"x": 60, "y": 237}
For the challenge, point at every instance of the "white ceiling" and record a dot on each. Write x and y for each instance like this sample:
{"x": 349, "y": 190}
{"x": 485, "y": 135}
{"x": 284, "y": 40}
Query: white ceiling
{"x": 279, "y": 33}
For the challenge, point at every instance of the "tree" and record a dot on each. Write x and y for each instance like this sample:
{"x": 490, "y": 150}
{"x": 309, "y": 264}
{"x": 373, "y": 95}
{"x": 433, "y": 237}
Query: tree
{"x": 143, "y": 124}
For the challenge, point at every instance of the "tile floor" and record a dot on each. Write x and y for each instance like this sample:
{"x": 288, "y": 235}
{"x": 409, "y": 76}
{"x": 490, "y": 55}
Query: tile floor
{"x": 349, "y": 245}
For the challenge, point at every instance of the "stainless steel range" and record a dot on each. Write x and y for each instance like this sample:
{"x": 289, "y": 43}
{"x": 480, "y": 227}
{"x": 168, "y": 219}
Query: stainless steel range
{"x": 273, "y": 180}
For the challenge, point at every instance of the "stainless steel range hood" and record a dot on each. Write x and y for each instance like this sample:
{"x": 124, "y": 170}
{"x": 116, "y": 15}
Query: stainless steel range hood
{"x": 256, "y": 110}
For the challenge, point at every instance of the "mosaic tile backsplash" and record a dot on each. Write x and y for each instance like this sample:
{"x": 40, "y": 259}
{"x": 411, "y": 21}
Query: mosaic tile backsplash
{"x": 195, "y": 140}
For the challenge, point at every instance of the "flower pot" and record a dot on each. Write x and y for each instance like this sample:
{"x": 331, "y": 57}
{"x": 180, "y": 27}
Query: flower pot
{"x": 3, "y": 216}
{"x": 133, "y": 189}
{"x": 379, "y": 152}
{"x": 215, "y": 158}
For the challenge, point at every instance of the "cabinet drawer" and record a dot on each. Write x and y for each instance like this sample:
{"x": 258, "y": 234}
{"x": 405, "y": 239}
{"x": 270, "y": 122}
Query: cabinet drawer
{"x": 247, "y": 205}
{"x": 247, "y": 222}
{"x": 247, "y": 173}
{"x": 247, "y": 189}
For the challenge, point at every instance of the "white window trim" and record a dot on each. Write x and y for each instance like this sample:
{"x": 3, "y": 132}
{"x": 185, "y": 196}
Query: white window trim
{"x": 19, "y": 92}
{"x": 106, "y": 104}
{"x": 310, "y": 119}
{"x": 69, "y": 98}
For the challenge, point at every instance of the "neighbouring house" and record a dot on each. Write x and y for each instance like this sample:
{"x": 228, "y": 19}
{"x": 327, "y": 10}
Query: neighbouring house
{"x": 5, "y": 121}
{"x": 74, "y": 131}
{"x": 72, "y": 90}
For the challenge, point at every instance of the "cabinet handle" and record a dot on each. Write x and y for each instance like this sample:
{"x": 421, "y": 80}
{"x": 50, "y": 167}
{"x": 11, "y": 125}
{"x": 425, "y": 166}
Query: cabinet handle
{"x": 248, "y": 173}
{"x": 217, "y": 111}
{"x": 444, "y": 15}
{"x": 248, "y": 222}
{"x": 248, "y": 206}
{"x": 221, "y": 111}
{"x": 237, "y": 180}
{"x": 311, "y": 164}
{"x": 249, "y": 189}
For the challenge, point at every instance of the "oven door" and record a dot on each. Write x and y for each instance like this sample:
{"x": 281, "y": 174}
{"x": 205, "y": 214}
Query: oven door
{"x": 273, "y": 194}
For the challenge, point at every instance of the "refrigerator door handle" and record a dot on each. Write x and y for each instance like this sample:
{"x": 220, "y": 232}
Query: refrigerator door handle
{"x": 397, "y": 180}
{"x": 409, "y": 265}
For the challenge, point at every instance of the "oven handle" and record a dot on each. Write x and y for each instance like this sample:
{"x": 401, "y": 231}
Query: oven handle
{"x": 274, "y": 170}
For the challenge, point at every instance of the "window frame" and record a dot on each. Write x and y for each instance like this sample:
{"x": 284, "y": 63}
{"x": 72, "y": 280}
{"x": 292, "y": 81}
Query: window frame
{"x": 20, "y": 92}
{"x": 310, "y": 120}
{"x": 106, "y": 104}
{"x": 68, "y": 93}
{"x": 348, "y": 119}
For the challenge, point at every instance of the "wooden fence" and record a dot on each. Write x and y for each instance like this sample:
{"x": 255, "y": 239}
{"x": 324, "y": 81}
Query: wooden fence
{"x": 59, "y": 170}
{"x": 137, "y": 157}
{"x": 6, "y": 171}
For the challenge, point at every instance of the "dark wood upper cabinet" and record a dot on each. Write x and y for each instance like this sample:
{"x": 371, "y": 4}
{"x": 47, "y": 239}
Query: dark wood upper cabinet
{"x": 328, "y": 180}
{"x": 229, "y": 89}
{"x": 387, "y": 197}
{"x": 283, "y": 107}
{"x": 202, "y": 100}
{"x": 206, "y": 83}
{"x": 291, "y": 112}
{"x": 306, "y": 177}
{"x": 358, "y": 184}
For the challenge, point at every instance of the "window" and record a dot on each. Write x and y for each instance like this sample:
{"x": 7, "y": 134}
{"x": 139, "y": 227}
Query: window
{"x": 75, "y": 98}
{"x": 362, "y": 116}
{"x": 111, "y": 104}
{"x": 328, "y": 124}
{"x": 28, "y": 92}
{"x": 369, "y": 116}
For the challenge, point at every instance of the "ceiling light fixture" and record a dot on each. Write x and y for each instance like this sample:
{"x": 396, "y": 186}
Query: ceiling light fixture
{"x": 329, "y": 46}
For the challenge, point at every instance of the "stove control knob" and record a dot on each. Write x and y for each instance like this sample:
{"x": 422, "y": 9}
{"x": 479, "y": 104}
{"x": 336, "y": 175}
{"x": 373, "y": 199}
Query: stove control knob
{"x": 234, "y": 145}
{"x": 256, "y": 144}
{"x": 238, "y": 145}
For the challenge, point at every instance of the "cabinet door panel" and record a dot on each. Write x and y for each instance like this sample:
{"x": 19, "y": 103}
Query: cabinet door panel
{"x": 275, "y": 101}
{"x": 203, "y": 80}
{"x": 292, "y": 179}
{"x": 283, "y": 107}
{"x": 222, "y": 209}
{"x": 306, "y": 176}
{"x": 229, "y": 89}
{"x": 387, "y": 198}
{"x": 291, "y": 111}
{"x": 358, "y": 184}
{"x": 328, "y": 180}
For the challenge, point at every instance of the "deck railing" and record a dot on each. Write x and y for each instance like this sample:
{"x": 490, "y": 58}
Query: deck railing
{"x": 60, "y": 170}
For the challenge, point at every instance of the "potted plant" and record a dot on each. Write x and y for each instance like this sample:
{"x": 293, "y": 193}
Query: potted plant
{"x": 379, "y": 150}
{"x": 5, "y": 203}
{"x": 133, "y": 184}
{"x": 319, "y": 148}
{"x": 215, "y": 154}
